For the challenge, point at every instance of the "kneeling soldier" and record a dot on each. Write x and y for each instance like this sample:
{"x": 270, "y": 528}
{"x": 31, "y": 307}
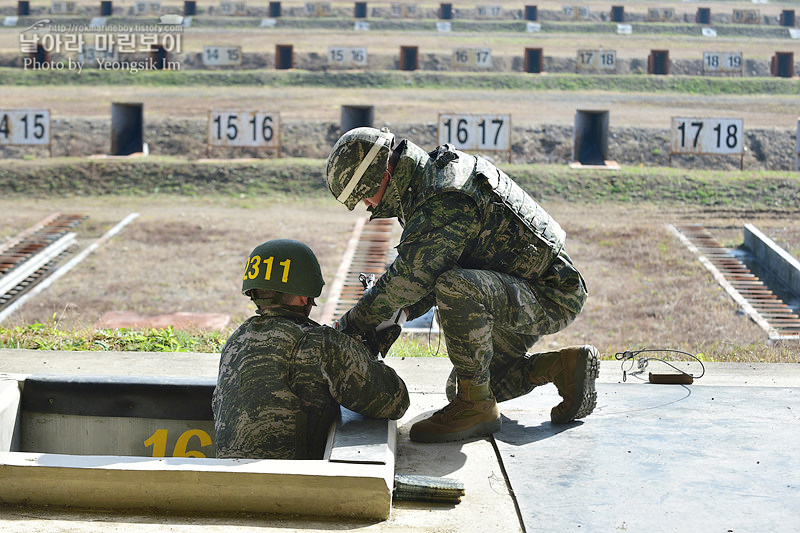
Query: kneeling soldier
{"x": 478, "y": 246}
{"x": 282, "y": 376}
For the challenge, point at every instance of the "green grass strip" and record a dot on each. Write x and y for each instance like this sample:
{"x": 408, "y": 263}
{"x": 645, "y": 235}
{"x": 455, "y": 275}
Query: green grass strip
{"x": 293, "y": 178}
{"x": 634, "y": 83}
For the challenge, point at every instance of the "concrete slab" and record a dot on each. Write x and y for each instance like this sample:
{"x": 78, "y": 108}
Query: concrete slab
{"x": 86, "y": 443}
{"x": 487, "y": 505}
{"x": 657, "y": 458}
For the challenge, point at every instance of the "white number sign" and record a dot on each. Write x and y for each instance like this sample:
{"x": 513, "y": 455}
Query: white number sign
{"x": 722, "y": 62}
{"x": 318, "y": 9}
{"x": 472, "y": 57}
{"x": 746, "y": 16}
{"x": 491, "y": 11}
{"x": 234, "y": 127}
{"x": 25, "y": 127}
{"x": 476, "y": 132}
{"x": 144, "y": 8}
{"x": 343, "y": 56}
{"x": 63, "y": 8}
{"x": 597, "y": 61}
{"x": 403, "y": 10}
{"x": 658, "y": 14}
{"x": 222, "y": 56}
{"x": 706, "y": 136}
{"x": 233, "y": 8}
{"x": 89, "y": 55}
{"x": 576, "y": 13}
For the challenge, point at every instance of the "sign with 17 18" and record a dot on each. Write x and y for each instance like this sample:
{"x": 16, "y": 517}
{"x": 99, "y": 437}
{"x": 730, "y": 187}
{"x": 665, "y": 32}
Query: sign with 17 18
{"x": 717, "y": 136}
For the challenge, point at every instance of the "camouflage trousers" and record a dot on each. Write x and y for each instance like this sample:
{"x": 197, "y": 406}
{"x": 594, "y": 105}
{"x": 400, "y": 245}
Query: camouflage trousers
{"x": 490, "y": 321}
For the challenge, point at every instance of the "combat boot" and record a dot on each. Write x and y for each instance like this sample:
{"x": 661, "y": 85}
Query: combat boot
{"x": 472, "y": 413}
{"x": 573, "y": 370}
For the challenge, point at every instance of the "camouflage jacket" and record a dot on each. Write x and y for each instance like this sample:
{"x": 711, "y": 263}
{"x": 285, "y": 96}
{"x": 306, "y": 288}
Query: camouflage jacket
{"x": 281, "y": 380}
{"x": 457, "y": 211}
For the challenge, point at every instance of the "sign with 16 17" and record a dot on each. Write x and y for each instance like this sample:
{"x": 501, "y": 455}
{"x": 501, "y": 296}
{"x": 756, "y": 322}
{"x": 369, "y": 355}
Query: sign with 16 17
{"x": 476, "y": 132}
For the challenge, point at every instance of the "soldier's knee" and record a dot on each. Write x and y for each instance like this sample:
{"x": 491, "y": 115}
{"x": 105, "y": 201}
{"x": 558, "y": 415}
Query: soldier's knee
{"x": 454, "y": 283}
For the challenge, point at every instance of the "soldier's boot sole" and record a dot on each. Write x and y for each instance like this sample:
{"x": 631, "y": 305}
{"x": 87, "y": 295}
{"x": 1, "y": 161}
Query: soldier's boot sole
{"x": 481, "y": 429}
{"x": 586, "y": 372}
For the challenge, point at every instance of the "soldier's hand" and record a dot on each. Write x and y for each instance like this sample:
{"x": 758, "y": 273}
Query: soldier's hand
{"x": 345, "y": 325}
{"x": 379, "y": 342}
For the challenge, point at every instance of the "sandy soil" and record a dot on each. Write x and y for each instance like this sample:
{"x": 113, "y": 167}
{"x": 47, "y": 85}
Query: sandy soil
{"x": 185, "y": 254}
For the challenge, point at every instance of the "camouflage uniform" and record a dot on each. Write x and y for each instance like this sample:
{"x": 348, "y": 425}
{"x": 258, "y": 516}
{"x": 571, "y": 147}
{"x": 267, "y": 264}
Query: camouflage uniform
{"x": 493, "y": 260}
{"x": 281, "y": 380}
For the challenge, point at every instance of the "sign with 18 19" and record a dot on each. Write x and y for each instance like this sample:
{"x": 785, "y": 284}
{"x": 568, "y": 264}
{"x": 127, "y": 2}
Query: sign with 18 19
{"x": 231, "y": 127}
{"x": 722, "y": 62}
{"x": 476, "y": 132}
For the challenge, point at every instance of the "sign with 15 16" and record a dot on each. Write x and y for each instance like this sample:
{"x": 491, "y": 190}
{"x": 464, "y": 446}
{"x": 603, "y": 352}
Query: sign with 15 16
{"x": 235, "y": 127}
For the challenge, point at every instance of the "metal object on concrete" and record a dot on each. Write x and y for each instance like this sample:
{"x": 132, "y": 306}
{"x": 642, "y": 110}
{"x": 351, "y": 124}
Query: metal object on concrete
{"x": 656, "y": 458}
{"x": 64, "y": 440}
{"x": 746, "y": 288}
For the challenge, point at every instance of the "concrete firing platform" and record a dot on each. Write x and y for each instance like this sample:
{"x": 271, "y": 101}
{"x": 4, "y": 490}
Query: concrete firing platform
{"x": 599, "y": 444}
{"x": 653, "y": 457}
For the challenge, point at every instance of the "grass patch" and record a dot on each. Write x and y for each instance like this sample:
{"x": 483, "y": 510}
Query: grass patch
{"x": 696, "y": 85}
{"x": 419, "y": 346}
{"x": 293, "y": 178}
{"x": 49, "y": 336}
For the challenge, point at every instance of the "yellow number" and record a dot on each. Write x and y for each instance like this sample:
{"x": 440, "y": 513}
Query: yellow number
{"x": 285, "y": 265}
{"x": 268, "y": 262}
{"x": 159, "y": 443}
{"x": 254, "y": 262}
{"x": 183, "y": 442}
{"x": 246, "y": 268}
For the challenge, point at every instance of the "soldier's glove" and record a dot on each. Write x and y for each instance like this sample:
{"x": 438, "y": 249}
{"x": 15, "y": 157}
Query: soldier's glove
{"x": 379, "y": 342}
{"x": 345, "y": 325}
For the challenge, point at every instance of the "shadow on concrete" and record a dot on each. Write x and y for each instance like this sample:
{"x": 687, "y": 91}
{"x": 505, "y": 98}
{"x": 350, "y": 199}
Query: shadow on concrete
{"x": 517, "y": 434}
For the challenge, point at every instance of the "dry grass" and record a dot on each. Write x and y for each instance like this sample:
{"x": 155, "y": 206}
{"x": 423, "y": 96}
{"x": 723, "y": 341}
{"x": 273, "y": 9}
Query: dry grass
{"x": 502, "y": 44}
{"x": 397, "y": 105}
{"x": 185, "y": 254}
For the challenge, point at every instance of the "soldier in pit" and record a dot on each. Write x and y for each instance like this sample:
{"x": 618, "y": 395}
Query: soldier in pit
{"x": 491, "y": 258}
{"x": 282, "y": 376}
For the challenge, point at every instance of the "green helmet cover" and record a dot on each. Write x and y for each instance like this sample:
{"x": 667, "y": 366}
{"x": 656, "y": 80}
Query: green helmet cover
{"x": 357, "y": 164}
{"x": 283, "y": 265}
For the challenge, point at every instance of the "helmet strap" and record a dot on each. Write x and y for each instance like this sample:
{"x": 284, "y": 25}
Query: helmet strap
{"x": 277, "y": 302}
{"x": 362, "y": 168}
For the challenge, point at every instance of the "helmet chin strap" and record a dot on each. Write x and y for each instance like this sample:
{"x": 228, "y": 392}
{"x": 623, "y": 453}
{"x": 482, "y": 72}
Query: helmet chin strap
{"x": 272, "y": 303}
{"x": 399, "y": 199}
{"x": 362, "y": 168}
